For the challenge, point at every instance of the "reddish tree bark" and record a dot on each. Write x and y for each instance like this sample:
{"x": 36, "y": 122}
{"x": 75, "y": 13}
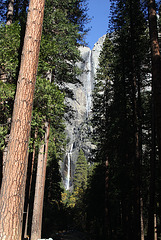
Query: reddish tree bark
{"x": 36, "y": 224}
{"x": 28, "y": 189}
{"x": 40, "y": 186}
{"x": 13, "y": 184}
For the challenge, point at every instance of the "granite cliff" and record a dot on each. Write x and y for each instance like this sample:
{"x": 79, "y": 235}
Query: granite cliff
{"x": 78, "y": 128}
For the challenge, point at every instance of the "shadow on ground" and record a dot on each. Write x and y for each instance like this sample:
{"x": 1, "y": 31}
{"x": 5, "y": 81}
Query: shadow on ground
{"x": 71, "y": 235}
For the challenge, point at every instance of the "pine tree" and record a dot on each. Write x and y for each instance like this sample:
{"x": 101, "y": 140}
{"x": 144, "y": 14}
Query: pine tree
{"x": 11, "y": 45}
{"x": 13, "y": 183}
{"x": 102, "y": 96}
{"x": 119, "y": 120}
{"x": 80, "y": 175}
{"x": 59, "y": 39}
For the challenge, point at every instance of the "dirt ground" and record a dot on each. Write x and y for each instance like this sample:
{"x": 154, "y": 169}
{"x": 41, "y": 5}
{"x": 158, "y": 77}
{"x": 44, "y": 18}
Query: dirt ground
{"x": 71, "y": 235}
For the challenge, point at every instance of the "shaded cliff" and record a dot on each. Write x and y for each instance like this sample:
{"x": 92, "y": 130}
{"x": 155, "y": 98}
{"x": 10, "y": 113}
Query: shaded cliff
{"x": 78, "y": 128}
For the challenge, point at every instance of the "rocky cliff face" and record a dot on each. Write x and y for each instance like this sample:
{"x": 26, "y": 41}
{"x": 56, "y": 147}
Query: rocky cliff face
{"x": 78, "y": 129}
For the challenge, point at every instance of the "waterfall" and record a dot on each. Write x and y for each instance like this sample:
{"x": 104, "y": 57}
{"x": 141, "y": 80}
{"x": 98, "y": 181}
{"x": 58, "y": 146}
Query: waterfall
{"x": 68, "y": 173}
{"x": 88, "y": 84}
{"x": 69, "y": 157}
{"x": 78, "y": 128}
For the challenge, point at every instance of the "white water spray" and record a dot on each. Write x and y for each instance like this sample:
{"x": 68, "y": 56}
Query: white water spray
{"x": 69, "y": 157}
{"x": 88, "y": 85}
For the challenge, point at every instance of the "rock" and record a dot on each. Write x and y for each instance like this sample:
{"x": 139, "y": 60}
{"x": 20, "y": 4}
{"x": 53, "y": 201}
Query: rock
{"x": 78, "y": 128}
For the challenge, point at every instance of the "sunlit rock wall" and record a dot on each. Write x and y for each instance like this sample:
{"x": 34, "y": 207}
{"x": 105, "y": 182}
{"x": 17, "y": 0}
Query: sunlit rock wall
{"x": 78, "y": 128}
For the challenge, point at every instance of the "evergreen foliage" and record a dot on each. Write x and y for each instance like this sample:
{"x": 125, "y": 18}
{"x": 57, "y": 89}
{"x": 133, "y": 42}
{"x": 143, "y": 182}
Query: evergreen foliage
{"x": 80, "y": 176}
{"x": 59, "y": 47}
{"x": 102, "y": 98}
{"x": 122, "y": 117}
{"x": 119, "y": 106}
{"x": 63, "y": 30}
{"x": 9, "y": 47}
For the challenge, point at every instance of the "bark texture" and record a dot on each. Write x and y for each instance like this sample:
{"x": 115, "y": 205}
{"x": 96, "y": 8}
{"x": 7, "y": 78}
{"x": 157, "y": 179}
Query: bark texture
{"x": 40, "y": 186}
{"x": 29, "y": 179}
{"x": 36, "y": 224}
{"x": 13, "y": 184}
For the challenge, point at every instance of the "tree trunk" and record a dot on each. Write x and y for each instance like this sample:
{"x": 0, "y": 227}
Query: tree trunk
{"x": 137, "y": 216}
{"x": 136, "y": 128}
{"x": 36, "y": 224}
{"x": 155, "y": 227}
{"x": 107, "y": 222}
{"x": 40, "y": 186}
{"x": 10, "y": 12}
{"x": 28, "y": 189}
{"x": 1, "y": 167}
{"x": 142, "y": 220}
{"x": 22, "y": 19}
{"x": 13, "y": 183}
{"x": 137, "y": 153}
{"x": 150, "y": 235}
{"x": 156, "y": 69}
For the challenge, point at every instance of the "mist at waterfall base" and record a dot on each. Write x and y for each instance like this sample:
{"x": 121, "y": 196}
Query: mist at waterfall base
{"x": 78, "y": 129}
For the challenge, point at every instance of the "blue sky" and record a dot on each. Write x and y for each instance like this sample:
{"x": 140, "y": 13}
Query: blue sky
{"x": 98, "y": 11}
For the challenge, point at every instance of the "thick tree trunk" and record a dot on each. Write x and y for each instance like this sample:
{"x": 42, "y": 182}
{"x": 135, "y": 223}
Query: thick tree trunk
{"x": 22, "y": 19}
{"x": 1, "y": 167}
{"x": 40, "y": 186}
{"x": 13, "y": 183}
{"x": 10, "y": 12}
{"x": 156, "y": 69}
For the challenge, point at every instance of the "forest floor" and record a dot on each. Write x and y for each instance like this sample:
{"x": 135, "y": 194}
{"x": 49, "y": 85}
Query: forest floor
{"x": 71, "y": 235}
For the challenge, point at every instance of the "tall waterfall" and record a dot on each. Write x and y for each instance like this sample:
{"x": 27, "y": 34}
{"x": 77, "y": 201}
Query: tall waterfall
{"x": 88, "y": 84}
{"x": 69, "y": 157}
{"x": 77, "y": 120}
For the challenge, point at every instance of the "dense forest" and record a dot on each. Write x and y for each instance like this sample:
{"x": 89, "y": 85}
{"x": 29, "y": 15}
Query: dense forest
{"x": 116, "y": 193}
